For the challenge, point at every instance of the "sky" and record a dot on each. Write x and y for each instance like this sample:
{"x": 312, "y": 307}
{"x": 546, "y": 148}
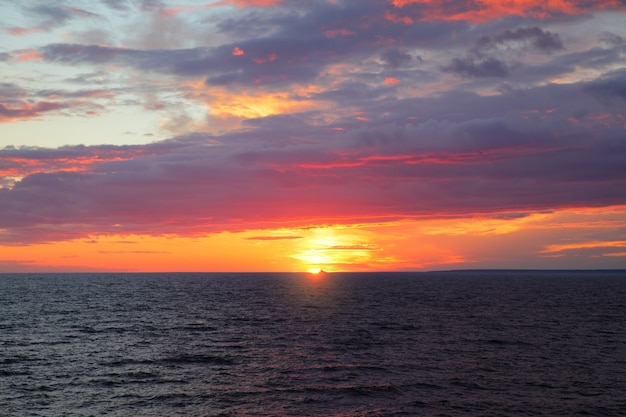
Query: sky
{"x": 293, "y": 135}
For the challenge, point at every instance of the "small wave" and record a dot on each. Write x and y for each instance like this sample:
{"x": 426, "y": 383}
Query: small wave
{"x": 17, "y": 359}
{"x": 498, "y": 342}
{"x": 345, "y": 367}
{"x": 128, "y": 362}
{"x": 421, "y": 385}
{"x": 177, "y": 360}
{"x": 374, "y": 390}
{"x": 4, "y": 372}
{"x": 141, "y": 375}
{"x": 391, "y": 325}
{"x": 172, "y": 400}
{"x": 190, "y": 359}
{"x": 106, "y": 330}
{"x": 468, "y": 384}
{"x": 198, "y": 328}
{"x": 352, "y": 390}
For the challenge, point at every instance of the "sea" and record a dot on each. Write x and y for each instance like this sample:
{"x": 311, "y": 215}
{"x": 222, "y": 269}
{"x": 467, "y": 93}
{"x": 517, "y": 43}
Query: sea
{"x": 464, "y": 343}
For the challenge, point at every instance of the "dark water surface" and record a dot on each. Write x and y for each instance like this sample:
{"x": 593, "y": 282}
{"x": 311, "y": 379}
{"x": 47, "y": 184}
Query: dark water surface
{"x": 427, "y": 344}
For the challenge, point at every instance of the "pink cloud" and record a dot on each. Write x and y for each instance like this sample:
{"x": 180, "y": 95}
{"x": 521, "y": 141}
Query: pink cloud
{"x": 20, "y": 31}
{"x": 393, "y": 17}
{"x": 270, "y": 58}
{"x": 484, "y": 10}
{"x": 10, "y": 112}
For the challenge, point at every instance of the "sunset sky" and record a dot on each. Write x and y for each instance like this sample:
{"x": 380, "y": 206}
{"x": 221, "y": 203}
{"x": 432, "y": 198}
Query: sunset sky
{"x": 294, "y": 135}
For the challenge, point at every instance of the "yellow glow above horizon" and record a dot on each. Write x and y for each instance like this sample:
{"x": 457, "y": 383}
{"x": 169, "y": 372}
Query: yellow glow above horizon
{"x": 542, "y": 239}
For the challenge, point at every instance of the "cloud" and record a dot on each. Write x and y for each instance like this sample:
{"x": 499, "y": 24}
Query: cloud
{"x": 16, "y": 163}
{"x": 481, "y": 11}
{"x": 284, "y": 171}
{"x": 497, "y": 55}
{"x": 316, "y": 113}
{"x": 21, "y": 55}
{"x": 171, "y": 11}
{"x": 391, "y": 81}
{"x": 611, "y": 88}
{"x": 11, "y": 112}
{"x": 395, "y": 57}
{"x": 274, "y": 237}
{"x": 17, "y": 103}
{"x": 532, "y": 38}
{"x": 297, "y": 36}
{"x": 50, "y": 17}
{"x": 350, "y": 247}
{"x": 473, "y": 67}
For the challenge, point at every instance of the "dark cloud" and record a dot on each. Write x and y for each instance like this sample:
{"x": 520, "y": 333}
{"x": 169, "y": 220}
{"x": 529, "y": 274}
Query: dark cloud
{"x": 497, "y": 55}
{"x": 47, "y": 17}
{"x": 612, "y": 39}
{"x": 11, "y": 91}
{"x": 530, "y": 38}
{"x": 395, "y": 58}
{"x": 474, "y": 67}
{"x": 609, "y": 89}
{"x": 59, "y": 14}
{"x": 597, "y": 58}
{"x": 75, "y": 94}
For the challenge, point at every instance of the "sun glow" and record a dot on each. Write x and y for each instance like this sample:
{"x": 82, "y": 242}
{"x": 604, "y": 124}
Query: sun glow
{"x": 554, "y": 238}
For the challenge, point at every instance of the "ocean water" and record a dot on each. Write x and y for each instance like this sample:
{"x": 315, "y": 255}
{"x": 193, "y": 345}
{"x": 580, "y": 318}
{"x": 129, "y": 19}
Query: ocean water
{"x": 397, "y": 344}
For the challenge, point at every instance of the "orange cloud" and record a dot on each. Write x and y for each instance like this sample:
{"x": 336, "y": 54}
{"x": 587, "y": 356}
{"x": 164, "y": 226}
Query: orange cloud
{"x": 250, "y": 105}
{"x": 584, "y": 245}
{"x": 391, "y": 81}
{"x": 485, "y": 10}
{"x": 237, "y": 51}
